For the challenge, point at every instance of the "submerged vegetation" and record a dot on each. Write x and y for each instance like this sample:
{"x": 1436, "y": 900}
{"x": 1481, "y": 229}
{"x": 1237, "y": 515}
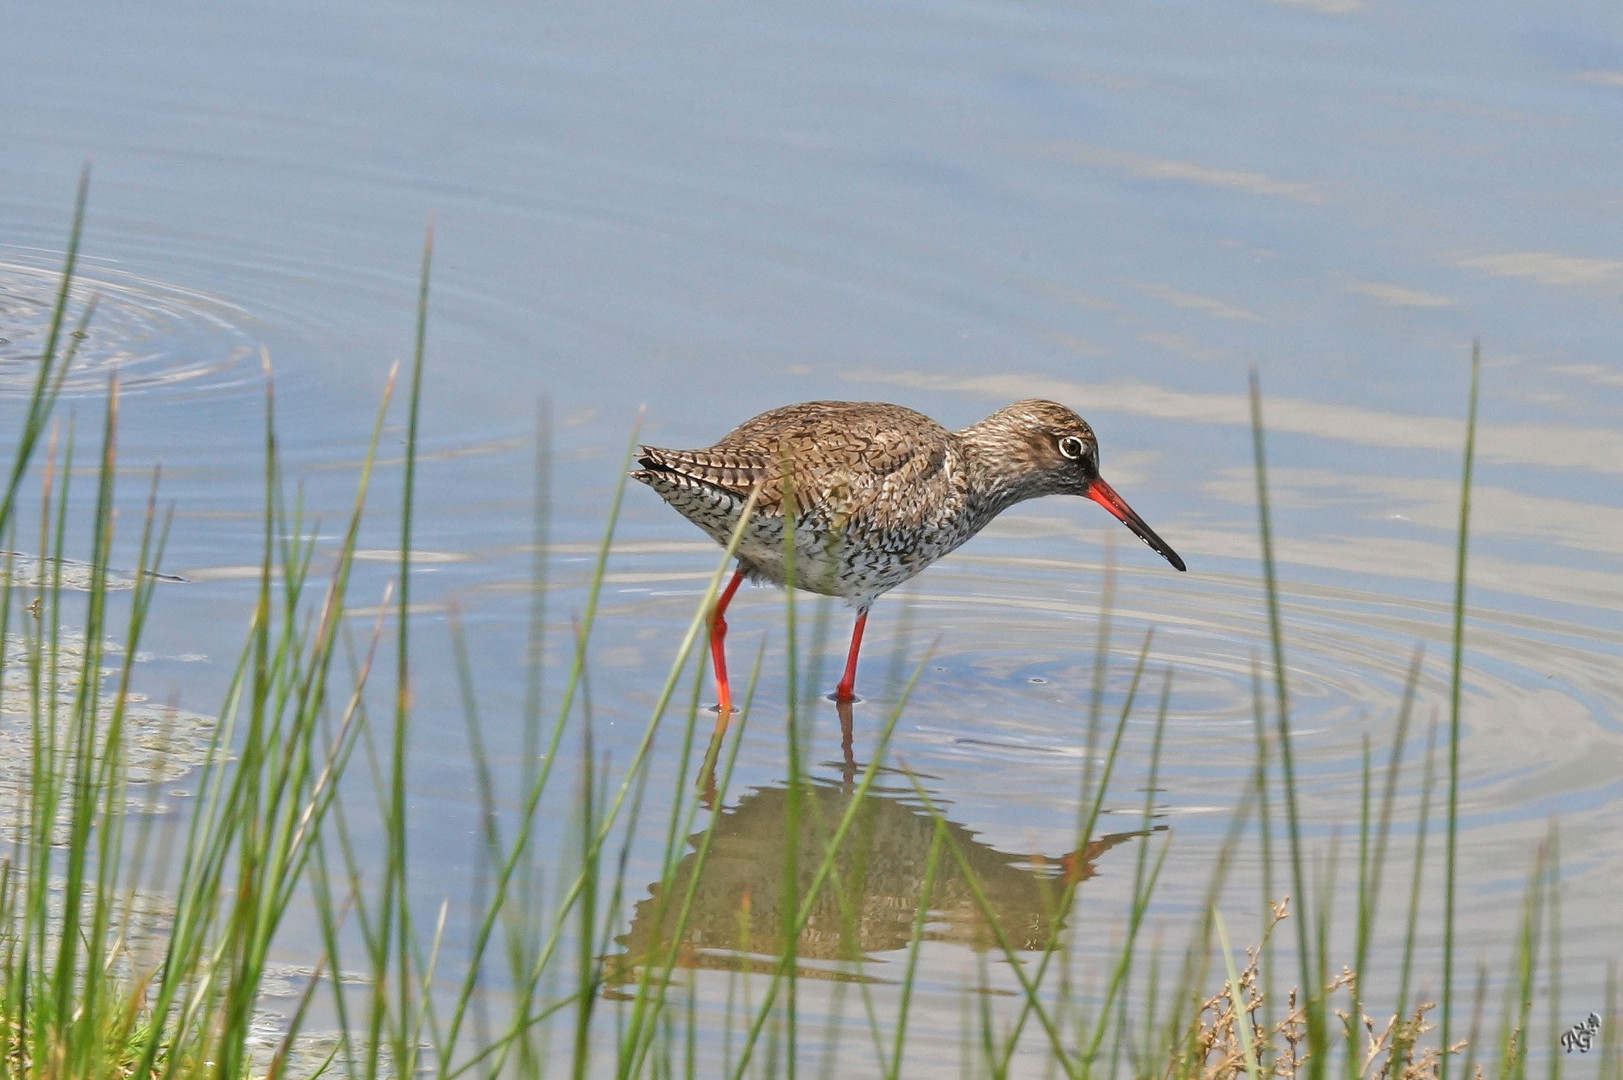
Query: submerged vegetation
{"x": 140, "y": 940}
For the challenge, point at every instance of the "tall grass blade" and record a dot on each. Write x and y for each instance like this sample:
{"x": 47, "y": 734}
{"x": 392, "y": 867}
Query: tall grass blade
{"x": 1242, "y": 1018}
{"x": 1455, "y": 686}
{"x": 48, "y": 379}
{"x": 1317, "y": 1035}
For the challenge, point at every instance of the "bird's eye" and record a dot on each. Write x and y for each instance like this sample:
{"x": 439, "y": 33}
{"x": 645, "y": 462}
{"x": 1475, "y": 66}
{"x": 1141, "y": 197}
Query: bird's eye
{"x": 1072, "y": 447}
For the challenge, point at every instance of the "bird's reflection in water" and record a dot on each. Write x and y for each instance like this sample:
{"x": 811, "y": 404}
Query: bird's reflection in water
{"x": 866, "y": 907}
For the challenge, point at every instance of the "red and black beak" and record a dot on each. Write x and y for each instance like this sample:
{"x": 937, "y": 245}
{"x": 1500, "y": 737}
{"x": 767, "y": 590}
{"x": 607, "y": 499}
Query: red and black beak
{"x": 1105, "y": 495}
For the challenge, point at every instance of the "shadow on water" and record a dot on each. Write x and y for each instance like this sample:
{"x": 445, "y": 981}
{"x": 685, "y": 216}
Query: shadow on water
{"x": 868, "y": 904}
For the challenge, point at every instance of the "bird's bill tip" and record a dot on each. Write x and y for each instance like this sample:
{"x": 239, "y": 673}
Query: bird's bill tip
{"x": 1105, "y": 495}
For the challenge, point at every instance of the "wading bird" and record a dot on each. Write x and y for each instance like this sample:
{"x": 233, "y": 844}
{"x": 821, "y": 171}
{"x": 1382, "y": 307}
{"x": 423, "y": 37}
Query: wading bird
{"x": 876, "y": 493}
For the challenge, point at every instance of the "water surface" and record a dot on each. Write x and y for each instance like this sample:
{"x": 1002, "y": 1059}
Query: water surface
{"x": 714, "y": 210}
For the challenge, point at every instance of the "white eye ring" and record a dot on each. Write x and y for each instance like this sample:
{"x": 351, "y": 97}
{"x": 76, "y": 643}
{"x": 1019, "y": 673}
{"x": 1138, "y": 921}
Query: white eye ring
{"x": 1072, "y": 447}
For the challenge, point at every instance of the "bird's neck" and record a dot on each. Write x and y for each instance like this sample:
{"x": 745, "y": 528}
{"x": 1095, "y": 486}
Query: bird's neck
{"x": 998, "y": 478}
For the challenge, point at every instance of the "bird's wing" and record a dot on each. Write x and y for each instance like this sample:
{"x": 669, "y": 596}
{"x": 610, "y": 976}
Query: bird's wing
{"x": 844, "y": 459}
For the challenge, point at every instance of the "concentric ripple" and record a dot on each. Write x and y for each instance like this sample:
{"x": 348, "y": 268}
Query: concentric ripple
{"x": 152, "y": 334}
{"x": 1541, "y": 728}
{"x": 1009, "y": 681}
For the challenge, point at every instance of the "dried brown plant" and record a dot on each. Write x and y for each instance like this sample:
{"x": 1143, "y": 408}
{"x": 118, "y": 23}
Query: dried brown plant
{"x": 1217, "y": 1049}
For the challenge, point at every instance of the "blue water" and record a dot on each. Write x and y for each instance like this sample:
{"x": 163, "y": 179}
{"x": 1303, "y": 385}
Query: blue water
{"x": 712, "y": 210}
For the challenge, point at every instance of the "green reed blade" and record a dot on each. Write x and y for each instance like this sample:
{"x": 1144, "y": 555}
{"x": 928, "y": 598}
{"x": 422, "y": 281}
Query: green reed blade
{"x": 1416, "y": 879}
{"x": 1181, "y": 1036}
{"x": 1369, "y": 890}
{"x": 1242, "y": 1018}
{"x": 678, "y": 828}
{"x": 1265, "y": 834}
{"x": 932, "y": 864}
{"x": 1518, "y": 1004}
{"x": 1096, "y": 690}
{"x": 1472, "y": 1041}
{"x": 48, "y": 381}
{"x": 1552, "y": 949}
{"x": 1141, "y": 896}
{"x": 1455, "y": 686}
{"x": 1317, "y": 1038}
{"x": 1611, "y": 1047}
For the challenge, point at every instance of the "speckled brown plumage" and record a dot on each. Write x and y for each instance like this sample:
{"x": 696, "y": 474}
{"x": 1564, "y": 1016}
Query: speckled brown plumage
{"x": 878, "y": 491}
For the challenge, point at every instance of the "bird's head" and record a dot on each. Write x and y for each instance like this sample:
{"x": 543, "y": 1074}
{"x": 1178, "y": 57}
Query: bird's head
{"x": 1059, "y": 454}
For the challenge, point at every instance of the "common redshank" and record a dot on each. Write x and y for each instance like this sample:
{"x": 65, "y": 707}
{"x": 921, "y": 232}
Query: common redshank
{"x": 878, "y": 493}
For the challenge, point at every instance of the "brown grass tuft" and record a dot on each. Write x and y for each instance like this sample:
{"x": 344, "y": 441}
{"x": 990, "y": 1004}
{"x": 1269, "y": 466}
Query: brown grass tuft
{"x": 1216, "y": 1051}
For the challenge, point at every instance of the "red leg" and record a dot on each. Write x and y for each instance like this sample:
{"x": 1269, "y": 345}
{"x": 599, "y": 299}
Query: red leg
{"x": 846, "y": 691}
{"x": 718, "y": 648}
